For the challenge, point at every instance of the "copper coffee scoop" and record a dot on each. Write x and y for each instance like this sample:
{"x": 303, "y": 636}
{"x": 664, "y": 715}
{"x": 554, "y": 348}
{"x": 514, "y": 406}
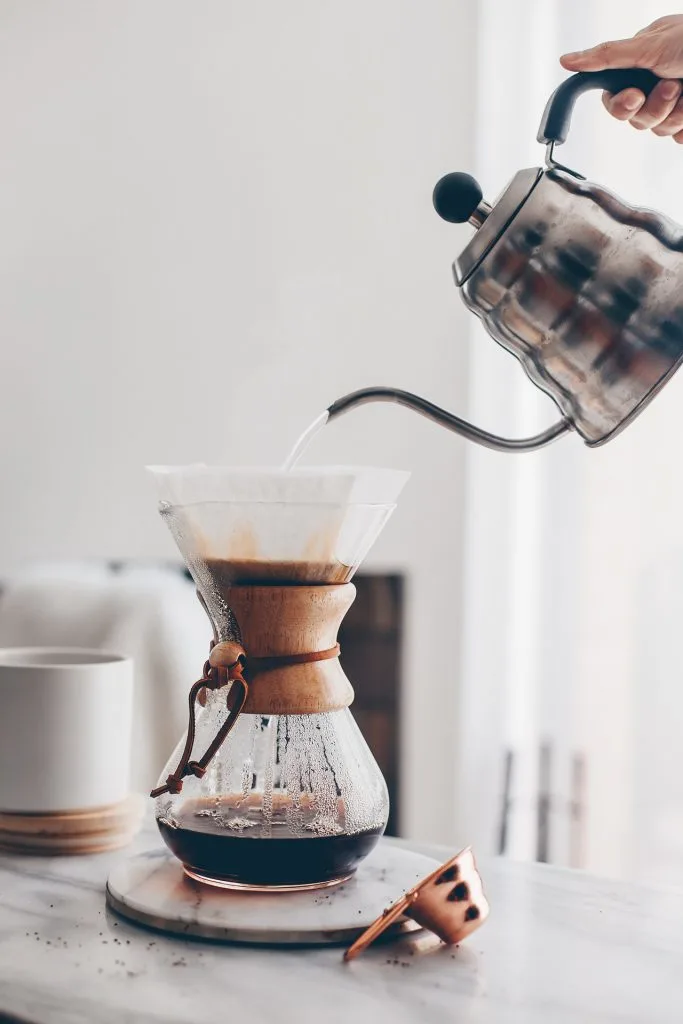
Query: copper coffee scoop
{"x": 449, "y": 902}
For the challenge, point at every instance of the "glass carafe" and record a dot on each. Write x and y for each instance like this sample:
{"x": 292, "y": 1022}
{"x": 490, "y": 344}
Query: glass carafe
{"x": 290, "y": 796}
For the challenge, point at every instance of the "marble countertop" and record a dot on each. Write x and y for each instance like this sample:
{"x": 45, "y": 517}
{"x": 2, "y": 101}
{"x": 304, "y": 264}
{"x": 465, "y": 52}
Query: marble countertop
{"x": 559, "y": 947}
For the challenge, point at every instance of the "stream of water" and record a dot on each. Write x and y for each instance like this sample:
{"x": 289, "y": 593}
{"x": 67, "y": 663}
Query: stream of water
{"x": 302, "y": 444}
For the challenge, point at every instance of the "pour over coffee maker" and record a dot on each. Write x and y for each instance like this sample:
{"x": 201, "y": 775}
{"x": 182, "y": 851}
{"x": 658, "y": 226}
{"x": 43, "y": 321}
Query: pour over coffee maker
{"x": 273, "y": 787}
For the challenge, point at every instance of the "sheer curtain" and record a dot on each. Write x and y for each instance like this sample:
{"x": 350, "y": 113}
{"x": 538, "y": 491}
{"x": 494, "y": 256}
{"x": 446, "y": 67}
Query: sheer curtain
{"x": 571, "y": 707}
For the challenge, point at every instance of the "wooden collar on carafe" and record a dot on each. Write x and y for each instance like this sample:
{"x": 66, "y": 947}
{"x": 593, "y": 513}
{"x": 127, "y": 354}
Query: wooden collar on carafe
{"x": 290, "y": 636}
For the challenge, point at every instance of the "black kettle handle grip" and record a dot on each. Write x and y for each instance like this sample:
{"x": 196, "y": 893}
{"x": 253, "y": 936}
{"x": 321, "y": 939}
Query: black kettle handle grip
{"x": 557, "y": 115}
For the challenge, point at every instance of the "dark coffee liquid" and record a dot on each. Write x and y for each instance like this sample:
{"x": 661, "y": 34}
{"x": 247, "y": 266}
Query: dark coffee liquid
{"x": 247, "y": 856}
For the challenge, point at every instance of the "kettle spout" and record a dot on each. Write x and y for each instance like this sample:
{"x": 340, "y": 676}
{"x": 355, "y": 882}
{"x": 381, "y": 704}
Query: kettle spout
{"x": 448, "y": 420}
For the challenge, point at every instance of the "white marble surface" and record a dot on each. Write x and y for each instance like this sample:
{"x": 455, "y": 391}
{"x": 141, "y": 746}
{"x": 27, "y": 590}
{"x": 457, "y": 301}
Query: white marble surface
{"x": 152, "y": 888}
{"x": 559, "y": 947}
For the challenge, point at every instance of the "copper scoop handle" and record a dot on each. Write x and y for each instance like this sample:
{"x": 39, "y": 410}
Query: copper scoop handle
{"x": 390, "y": 915}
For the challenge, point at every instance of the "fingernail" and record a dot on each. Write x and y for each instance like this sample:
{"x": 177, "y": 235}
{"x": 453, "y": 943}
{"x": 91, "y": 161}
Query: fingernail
{"x": 572, "y": 57}
{"x": 669, "y": 90}
{"x": 632, "y": 101}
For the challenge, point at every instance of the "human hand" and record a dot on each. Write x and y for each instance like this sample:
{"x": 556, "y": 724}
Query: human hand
{"x": 659, "y": 48}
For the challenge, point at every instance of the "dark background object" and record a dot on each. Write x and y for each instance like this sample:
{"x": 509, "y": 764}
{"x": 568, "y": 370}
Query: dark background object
{"x": 371, "y": 643}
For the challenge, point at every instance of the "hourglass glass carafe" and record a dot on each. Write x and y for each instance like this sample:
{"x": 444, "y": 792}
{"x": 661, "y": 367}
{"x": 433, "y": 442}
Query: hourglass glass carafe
{"x": 274, "y": 786}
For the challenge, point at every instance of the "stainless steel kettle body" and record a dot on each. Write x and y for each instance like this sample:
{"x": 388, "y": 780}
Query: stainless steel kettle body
{"x": 585, "y": 290}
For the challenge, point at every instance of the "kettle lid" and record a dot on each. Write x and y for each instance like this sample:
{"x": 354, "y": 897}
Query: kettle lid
{"x": 458, "y": 198}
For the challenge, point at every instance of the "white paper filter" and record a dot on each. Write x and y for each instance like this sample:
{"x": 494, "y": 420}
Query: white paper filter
{"x": 312, "y": 514}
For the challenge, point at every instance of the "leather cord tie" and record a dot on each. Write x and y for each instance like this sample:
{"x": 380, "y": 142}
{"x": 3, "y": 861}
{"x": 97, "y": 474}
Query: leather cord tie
{"x": 255, "y": 666}
{"x": 227, "y": 663}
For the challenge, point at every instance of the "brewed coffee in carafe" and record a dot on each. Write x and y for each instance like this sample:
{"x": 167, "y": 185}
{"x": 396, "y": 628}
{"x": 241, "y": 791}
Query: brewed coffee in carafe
{"x": 274, "y": 787}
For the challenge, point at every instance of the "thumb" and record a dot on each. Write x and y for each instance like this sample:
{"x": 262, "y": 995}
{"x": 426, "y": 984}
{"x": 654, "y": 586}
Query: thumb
{"x": 621, "y": 53}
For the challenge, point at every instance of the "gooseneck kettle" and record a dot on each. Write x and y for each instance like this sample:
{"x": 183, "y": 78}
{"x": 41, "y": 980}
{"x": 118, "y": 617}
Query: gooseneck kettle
{"x": 585, "y": 290}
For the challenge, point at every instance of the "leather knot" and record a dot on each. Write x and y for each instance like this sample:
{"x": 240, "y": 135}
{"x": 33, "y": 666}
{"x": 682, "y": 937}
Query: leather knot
{"x": 196, "y": 769}
{"x": 236, "y": 670}
{"x": 227, "y": 655}
{"x": 174, "y": 784}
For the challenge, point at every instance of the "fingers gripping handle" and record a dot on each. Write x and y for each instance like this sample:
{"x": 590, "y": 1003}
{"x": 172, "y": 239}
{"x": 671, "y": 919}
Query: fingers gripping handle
{"x": 557, "y": 115}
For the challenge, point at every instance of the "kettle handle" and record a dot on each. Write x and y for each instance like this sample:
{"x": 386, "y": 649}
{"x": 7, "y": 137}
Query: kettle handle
{"x": 448, "y": 420}
{"x": 557, "y": 115}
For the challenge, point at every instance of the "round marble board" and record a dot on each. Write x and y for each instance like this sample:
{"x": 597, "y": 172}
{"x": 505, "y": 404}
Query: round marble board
{"x": 152, "y": 889}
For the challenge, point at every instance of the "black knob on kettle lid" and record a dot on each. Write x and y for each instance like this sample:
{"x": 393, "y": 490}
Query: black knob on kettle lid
{"x": 456, "y": 197}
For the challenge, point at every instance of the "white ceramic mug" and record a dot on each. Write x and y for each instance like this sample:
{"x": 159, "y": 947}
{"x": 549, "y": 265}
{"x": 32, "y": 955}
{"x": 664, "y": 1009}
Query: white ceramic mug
{"x": 65, "y": 728}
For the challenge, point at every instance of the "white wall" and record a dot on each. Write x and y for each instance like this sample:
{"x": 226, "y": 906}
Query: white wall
{"x": 216, "y": 219}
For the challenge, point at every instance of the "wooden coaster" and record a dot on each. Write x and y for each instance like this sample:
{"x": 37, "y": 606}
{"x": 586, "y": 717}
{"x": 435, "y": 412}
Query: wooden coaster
{"x": 63, "y": 846}
{"x": 20, "y": 839}
{"x": 123, "y": 817}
